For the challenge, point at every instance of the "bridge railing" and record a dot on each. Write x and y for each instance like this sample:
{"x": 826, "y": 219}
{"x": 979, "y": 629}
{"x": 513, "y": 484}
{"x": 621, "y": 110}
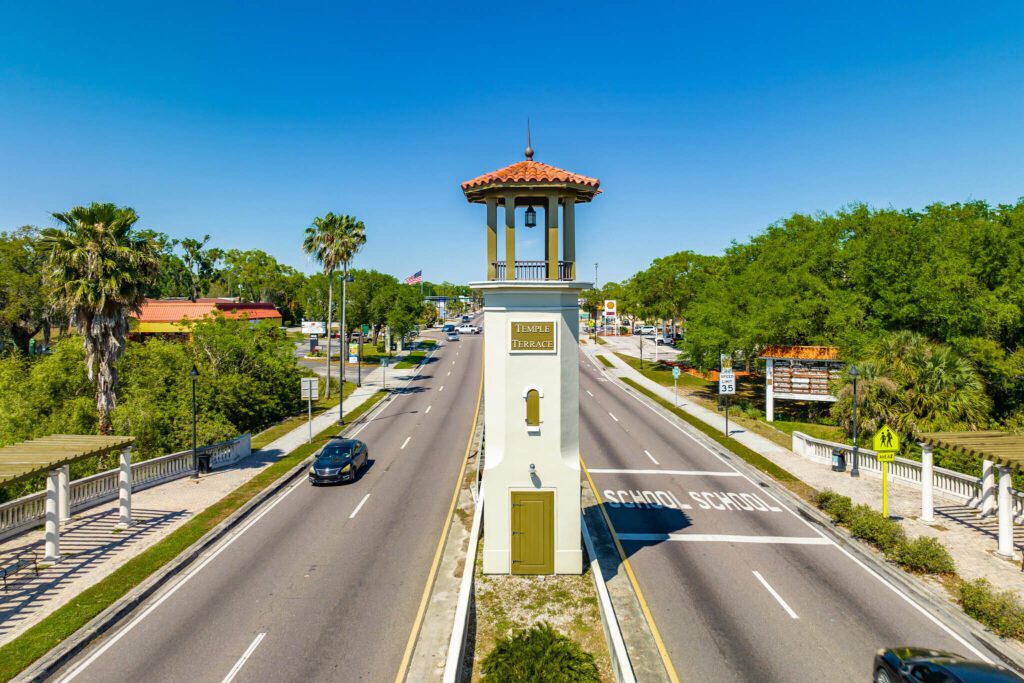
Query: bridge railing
{"x": 957, "y": 486}
{"x": 22, "y": 514}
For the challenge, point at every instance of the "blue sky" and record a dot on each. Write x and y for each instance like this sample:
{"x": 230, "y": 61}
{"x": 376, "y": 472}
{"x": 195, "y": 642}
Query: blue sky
{"x": 705, "y": 123}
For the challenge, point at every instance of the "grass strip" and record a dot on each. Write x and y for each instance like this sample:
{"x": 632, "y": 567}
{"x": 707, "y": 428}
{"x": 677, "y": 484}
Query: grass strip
{"x": 410, "y": 361}
{"x": 600, "y": 342}
{"x": 274, "y": 432}
{"x": 604, "y": 361}
{"x": 662, "y": 374}
{"x": 752, "y": 457}
{"x": 18, "y": 654}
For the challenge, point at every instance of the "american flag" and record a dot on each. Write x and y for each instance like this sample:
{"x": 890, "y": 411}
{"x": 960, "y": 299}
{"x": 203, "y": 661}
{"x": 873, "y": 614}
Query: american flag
{"x": 415, "y": 279}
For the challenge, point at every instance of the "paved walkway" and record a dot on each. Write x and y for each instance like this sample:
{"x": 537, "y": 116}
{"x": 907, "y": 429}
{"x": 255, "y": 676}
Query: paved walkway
{"x": 92, "y": 547}
{"x": 970, "y": 539}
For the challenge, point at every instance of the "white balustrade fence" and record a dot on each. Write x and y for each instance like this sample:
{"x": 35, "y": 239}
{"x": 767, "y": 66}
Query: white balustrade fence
{"x": 963, "y": 488}
{"x": 22, "y": 514}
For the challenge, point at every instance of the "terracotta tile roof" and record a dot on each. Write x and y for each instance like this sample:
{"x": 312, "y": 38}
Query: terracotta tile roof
{"x": 173, "y": 311}
{"x": 531, "y": 172}
{"x": 801, "y": 352}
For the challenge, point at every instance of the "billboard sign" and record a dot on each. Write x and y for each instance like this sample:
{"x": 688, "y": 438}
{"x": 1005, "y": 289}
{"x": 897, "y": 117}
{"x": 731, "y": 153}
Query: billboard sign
{"x": 314, "y": 327}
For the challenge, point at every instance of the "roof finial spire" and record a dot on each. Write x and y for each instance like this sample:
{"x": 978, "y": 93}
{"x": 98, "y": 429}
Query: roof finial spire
{"x": 529, "y": 149}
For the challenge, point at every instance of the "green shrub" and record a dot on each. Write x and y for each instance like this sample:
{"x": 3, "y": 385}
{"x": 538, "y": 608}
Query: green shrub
{"x": 1002, "y": 612}
{"x": 539, "y": 654}
{"x": 838, "y": 507}
{"x": 924, "y": 554}
{"x": 876, "y": 528}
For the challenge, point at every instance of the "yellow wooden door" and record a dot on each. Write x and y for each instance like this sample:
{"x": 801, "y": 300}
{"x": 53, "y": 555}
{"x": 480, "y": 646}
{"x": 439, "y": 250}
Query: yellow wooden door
{"x": 533, "y": 532}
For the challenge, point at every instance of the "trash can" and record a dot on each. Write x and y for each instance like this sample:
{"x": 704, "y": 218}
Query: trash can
{"x": 838, "y": 460}
{"x": 204, "y": 462}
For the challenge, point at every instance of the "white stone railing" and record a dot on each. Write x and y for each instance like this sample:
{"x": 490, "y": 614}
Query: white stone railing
{"x": 957, "y": 486}
{"x": 27, "y": 512}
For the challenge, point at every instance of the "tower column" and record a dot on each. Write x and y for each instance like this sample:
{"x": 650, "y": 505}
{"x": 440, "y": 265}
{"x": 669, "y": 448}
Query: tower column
{"x": 551, "y": 237}
{"x": 569, "y": 233}
{"x": 492, "y": 236}
{"x": 510, "y": 237}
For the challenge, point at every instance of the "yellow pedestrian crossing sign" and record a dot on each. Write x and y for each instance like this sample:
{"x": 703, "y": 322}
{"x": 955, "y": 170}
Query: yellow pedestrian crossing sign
{"x": 886, "y": 443}
{"x": 886, "y": 440}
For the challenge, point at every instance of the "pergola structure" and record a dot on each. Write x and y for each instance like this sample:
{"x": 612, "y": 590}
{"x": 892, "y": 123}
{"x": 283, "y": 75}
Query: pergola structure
{"x": 53, "y": 455}
{"x": 998, "y": 450}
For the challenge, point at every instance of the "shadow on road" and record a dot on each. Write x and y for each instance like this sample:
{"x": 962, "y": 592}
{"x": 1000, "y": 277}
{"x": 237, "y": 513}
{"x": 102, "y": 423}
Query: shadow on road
{"x": 653, "y": 521}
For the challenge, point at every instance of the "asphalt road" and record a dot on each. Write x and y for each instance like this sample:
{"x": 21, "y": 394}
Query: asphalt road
{"x": 740, "y": 586}
{"x": 323, "y": 584}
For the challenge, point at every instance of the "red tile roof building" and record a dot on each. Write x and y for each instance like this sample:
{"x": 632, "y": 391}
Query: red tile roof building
{"x": 173, "y": 315}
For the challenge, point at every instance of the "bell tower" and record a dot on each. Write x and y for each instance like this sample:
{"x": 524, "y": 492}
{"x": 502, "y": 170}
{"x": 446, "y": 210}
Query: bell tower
{"x": 531, "y": 370}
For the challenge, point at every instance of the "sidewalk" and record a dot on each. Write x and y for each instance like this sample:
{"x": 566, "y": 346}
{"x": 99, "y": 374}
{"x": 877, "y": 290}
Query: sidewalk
{"x": 970, "y": 539}
{"x": 92, "y": 548}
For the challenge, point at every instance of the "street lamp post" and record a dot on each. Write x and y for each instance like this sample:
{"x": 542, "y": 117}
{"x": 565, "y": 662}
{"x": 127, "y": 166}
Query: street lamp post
{"x": 194, "y": 373}
{"x": 346, "y": 278}
{"x": 855, "y": 470}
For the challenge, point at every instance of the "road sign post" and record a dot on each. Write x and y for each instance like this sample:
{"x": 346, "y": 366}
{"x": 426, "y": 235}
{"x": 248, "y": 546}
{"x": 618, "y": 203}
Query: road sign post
{"x": 310, "y": 392}
{"x": 726, "y": 384}
{"x": 887, "y": 444}
{"x": 675, "y": 383}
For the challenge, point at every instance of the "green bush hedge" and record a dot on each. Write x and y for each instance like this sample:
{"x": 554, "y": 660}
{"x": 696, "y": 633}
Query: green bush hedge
{"x": 875, "y": 528}
{"x": 540, "y": 654}
{"x": 924, "y": 554}
{"x": 838, "y": 507}
{"x": 1000, "y": 611}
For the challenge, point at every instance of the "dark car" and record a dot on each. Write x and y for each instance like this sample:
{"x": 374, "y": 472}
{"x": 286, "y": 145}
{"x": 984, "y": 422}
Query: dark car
{"x": 340, "y": 460}
{"x": 922, "y": 665}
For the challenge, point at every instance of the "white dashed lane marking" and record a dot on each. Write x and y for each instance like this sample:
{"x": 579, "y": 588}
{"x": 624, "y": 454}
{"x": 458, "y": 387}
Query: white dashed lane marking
{"x": 359, "y": 507}
{"x": 778, "y": 598}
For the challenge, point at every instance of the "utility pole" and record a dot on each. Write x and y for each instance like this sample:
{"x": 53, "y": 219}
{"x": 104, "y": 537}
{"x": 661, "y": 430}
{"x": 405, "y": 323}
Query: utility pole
{"x": 595, "y": 276}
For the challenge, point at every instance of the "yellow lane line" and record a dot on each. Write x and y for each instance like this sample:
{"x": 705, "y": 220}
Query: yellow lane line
{"x": 632, "y": 579}
{"x": 418, "y": 622}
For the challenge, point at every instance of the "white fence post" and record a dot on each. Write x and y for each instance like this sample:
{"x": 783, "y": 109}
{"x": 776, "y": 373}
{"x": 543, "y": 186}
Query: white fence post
{"x": 124, "y": 485}
{"x": 1005, "y": 514}
{"x": 927, "y": 479}
{"x": 52, "y": 553}
{"x": 64, "y": 493}
{"x": 988, "y": 488}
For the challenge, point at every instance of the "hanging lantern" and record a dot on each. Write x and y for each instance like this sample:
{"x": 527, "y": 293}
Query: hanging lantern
{"x": 531, "y": 217}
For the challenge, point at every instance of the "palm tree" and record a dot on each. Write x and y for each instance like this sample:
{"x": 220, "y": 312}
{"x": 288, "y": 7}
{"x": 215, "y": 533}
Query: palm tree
{"x": 914, "y": 386}
{"x": 352, "y": 237}
{"x": 333, "y": 240}
{"x": 877, "y": 395}
{"x": 100, "y": 270}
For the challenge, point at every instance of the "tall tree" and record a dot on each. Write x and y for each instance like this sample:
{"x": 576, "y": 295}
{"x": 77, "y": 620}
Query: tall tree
{"x": 200, "y": 264}
{"x": 100, "y": 270}
{"x": 333, "y": 240}
{"x": 23, "y": 306}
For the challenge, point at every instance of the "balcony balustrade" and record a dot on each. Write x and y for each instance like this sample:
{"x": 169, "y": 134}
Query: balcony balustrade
{"x": 532, "y": 270}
